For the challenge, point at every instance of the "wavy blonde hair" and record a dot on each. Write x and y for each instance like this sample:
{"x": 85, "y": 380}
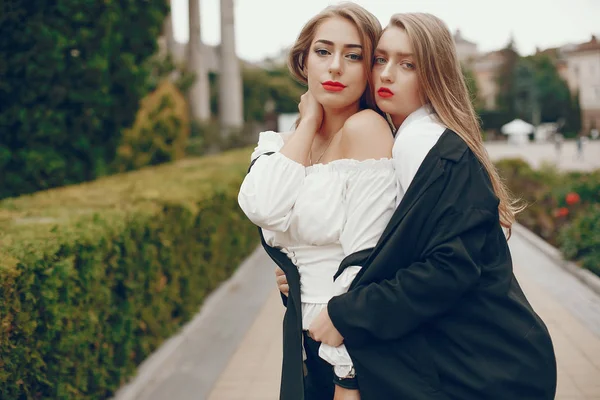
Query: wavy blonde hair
{"x": 442, "y": 85}
{"x": 369, "y": 30}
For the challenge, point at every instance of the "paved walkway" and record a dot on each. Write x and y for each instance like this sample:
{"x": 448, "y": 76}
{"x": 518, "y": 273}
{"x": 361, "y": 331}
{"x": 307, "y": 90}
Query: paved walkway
{"x": 571, "y": 311}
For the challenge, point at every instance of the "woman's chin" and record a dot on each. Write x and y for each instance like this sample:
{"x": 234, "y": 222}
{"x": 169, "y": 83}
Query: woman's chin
{"x": 385, "y": 105}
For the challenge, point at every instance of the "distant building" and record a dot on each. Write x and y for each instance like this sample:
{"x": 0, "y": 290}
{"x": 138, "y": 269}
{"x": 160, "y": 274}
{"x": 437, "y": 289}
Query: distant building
{"x": 466, "y": 50}
{"x": 485, "y": 68}
{"x": 583, "y": 64}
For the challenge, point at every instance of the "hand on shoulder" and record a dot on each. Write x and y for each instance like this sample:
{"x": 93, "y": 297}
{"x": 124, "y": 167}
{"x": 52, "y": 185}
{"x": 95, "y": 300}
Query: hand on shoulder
{"x": 367, "y": 135}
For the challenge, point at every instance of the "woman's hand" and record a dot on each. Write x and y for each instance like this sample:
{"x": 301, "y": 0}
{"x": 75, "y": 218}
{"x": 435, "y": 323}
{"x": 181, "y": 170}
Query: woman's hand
{"x": 282, "y": 283}
{"x": 345, "y": 394}
{"x": 310, "y": 110}
{"x": 322, "y": 330}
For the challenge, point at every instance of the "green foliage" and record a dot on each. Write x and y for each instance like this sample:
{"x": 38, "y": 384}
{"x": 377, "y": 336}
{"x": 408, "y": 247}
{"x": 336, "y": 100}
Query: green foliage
{"x": 472, "y": 87}
{"x": 575, "y": 226}
{"x": 260, "y": 87}
{"x": 580, "y": 240}
{"x": 553, "y": 95}
{"x": 505, "y": 79}
{"x": 72, "y": 75}
{"x": 531, "y": 88}
{"x": 573, "y": 121}
{"x": 94, "y": 277}
{"x": 493, "y": 119}
{"x": 160, "y": 131}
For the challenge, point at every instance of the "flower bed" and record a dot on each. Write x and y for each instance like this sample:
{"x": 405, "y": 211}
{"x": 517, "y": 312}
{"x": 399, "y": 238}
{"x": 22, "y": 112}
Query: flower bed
{"x": 562, "y": 207}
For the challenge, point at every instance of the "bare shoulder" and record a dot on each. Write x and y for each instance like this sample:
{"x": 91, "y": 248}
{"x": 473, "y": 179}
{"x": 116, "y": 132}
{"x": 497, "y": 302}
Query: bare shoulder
{"x": 367, "y": 135}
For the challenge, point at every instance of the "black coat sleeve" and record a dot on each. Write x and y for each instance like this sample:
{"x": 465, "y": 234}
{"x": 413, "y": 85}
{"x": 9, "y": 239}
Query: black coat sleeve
{"x": 392, "y": 308}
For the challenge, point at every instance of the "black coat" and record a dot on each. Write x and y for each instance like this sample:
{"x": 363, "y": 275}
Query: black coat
{"x": 436, "y": 312}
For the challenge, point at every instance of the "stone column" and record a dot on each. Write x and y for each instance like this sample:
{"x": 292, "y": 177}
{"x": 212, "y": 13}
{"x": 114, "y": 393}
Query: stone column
{"x": 231, "y": 114}
{"x": 199, "y": 94}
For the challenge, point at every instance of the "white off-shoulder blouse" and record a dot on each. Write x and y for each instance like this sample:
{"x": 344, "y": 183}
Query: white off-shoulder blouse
{"x": 317, "y": 216}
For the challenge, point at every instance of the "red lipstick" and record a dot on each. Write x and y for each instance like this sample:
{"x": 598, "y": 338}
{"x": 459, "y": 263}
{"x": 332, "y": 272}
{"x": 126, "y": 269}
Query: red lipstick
{"x": 385, "y": 92}
{"x": 332, "y": 86}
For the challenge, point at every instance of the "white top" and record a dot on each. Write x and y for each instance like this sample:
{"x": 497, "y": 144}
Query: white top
{"x": 317, "y": 216}
{"x": 417, "y": 135}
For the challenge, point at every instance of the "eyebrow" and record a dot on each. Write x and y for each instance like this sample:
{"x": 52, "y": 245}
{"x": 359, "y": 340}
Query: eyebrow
{"x": 398, "y": 53}
{"x": 330, "y": 43}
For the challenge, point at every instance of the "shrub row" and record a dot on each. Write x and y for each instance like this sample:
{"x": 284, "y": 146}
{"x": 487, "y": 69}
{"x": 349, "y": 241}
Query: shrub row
{"x": 94, "y": 277}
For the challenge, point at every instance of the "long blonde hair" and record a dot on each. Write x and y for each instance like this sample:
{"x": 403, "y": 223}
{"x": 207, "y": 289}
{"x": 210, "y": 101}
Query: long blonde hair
{"x": 442, "y": 85}
{"x": 369, "y": 30}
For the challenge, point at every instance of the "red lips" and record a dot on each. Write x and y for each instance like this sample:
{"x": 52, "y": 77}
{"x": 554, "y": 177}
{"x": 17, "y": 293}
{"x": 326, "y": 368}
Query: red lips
{"x": 332, "y": 86}
{"x": 385, "y": 92}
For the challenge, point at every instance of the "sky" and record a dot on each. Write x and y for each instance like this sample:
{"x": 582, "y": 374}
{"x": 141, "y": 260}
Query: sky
{"x": 264, "y": 27}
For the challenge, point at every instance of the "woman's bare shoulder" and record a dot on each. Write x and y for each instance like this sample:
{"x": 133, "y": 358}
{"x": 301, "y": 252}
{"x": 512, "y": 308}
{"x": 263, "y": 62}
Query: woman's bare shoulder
{"x": 367, "y": 135}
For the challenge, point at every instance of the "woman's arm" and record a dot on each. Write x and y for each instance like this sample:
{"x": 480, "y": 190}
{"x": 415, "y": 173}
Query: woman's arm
{"x": 392, "y": 308}
{"x": 370, "y": 200}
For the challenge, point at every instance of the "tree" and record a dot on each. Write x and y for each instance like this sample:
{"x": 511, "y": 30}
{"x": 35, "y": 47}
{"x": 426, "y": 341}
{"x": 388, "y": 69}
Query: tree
{"x": 73, "y": 74}
{"x": 573, "y": 119}
{"x": 472, "y": 87}
{"x": 505, "y": 79}
{"x": 554, "y": 95}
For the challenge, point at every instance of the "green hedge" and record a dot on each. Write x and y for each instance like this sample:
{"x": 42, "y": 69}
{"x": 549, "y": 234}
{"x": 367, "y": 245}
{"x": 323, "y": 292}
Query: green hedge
{"x": 94, "y": 277}
{"x": 561, "y": 207}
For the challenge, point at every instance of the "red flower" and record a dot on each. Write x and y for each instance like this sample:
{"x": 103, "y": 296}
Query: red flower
{"x": 572, "y": 198}
{"x": 561, "y": 212}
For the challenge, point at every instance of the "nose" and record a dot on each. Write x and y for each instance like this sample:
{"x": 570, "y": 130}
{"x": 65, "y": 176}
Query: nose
{"x": 387, "y": 75}
{"x": 335, "y": 67}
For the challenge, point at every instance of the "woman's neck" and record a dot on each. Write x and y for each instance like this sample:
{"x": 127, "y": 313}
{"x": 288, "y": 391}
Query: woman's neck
{"x": 398, "y": 120}
{"x": 334, "y": 119}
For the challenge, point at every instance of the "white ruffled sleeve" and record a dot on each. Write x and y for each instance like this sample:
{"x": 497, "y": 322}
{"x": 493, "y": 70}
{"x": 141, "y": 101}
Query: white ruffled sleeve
{"x": 269, "y": 191}
{"x": 370, "y": 203}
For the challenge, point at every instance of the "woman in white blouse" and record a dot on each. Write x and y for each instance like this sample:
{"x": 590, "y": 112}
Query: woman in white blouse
{"x": 326, "y": 190}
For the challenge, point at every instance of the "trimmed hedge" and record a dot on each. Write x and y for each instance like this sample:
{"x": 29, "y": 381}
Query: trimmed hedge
{"x": 94, "y": 277}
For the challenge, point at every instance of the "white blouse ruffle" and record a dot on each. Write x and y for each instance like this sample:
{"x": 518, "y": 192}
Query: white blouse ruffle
{"x": 317, "y": 216}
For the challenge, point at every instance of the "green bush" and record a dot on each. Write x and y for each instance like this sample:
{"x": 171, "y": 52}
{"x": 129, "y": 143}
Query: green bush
{"x": 94, "y": 277}
{"x": 72, "y": 74}
{"x": 580, "y": 240}
{"x": 561, "y": 207}
{"x": 160, "y": 131}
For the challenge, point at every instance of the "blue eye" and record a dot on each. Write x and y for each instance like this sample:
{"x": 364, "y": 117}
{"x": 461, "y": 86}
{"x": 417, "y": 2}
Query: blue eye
{"x": 321, "y": 52}
{"x": 379, "y": 60}
{"x": 408, "y": 65}
{"x": 355, "y": 57}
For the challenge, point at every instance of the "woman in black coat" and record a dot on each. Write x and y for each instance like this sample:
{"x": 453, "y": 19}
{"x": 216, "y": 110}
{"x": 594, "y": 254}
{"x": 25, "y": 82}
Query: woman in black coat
{"x": 436, "y": 311}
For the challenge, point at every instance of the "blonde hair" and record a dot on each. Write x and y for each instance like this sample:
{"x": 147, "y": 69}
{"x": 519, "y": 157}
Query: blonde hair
{"x": 442, "y": 85}
{"x": 369, "y": 30}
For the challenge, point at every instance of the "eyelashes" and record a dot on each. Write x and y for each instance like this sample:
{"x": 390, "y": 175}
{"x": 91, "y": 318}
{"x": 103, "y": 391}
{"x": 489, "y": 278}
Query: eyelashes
{"x": 350, "y": 56}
